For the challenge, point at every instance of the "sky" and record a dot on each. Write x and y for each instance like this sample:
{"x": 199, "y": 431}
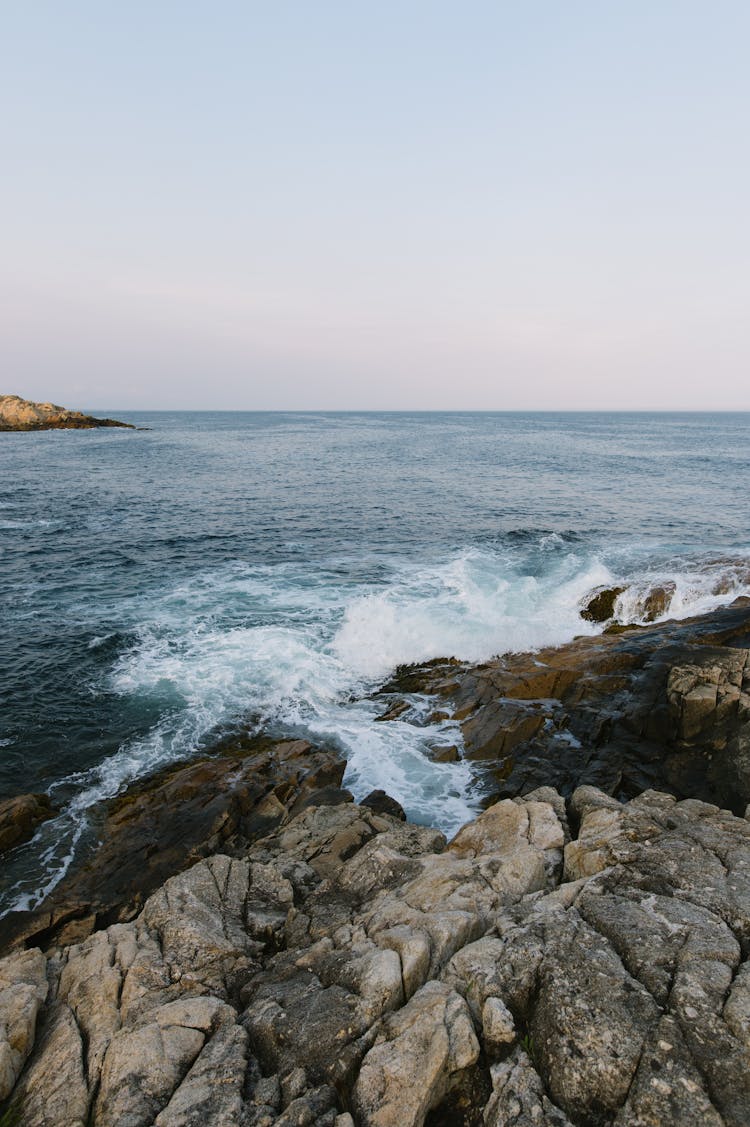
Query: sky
{"x": 541, "y": 204}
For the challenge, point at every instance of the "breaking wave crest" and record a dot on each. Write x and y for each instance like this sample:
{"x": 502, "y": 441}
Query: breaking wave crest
{"x": 298, "y": 650}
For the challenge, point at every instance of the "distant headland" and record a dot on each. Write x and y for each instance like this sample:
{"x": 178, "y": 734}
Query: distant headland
{"x": 23, "y": 414}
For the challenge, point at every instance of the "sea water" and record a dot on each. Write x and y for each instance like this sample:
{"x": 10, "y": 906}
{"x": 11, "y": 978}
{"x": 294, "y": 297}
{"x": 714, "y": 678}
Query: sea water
{"x": 236, "y": 572}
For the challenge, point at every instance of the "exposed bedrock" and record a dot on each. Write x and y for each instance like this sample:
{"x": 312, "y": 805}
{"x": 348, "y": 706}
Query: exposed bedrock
{"x": 167, "y": 822}
{"x": 24, "y": 414}
{"x": 351, "y": 968}
{"x": 665, "y": 706}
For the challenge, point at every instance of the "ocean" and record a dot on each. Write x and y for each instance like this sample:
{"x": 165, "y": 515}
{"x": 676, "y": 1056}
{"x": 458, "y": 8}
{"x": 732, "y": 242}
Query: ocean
{"x": 227, "y": 572}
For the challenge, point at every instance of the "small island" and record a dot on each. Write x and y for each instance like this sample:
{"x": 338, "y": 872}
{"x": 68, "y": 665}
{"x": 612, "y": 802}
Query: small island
{"x": 23, "y": 414}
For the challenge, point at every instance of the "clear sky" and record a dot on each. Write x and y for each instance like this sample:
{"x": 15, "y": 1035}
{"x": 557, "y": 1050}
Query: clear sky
{"x": 536, "y": 204}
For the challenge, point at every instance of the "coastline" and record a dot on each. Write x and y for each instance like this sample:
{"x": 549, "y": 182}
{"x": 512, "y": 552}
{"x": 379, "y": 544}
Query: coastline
{"x": 314, "y": 943}
{"x": 646, "y": 707}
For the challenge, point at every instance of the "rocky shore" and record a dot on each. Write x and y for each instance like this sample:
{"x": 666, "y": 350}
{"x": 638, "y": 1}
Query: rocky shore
{"x": 250, "y": 947}
{"x": 24, "y": 414}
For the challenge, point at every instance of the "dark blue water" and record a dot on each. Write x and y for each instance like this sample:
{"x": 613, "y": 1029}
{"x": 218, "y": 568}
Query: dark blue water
{"x": 226, "y": 570}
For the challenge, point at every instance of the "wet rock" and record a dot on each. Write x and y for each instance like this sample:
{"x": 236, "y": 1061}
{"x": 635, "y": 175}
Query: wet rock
{"x": 394, "y": 710}
{"x": 600, "y": 606}
{"x": 20, "y": 816}
{"x": 499, "y": 726}
{"x": 382, "y": 803}
{"x": 164, "y": 824}
{"x": 658, "y": 601}
{"x": 445, "y": 753}
{"x": 659, "y": 707}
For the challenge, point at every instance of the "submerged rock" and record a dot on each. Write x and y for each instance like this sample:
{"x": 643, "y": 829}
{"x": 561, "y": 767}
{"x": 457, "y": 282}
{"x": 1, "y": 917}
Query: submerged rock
{"x": 352, "y": 969}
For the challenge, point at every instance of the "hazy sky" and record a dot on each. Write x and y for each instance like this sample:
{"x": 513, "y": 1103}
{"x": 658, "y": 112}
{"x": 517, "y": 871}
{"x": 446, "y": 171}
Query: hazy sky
{"x": 498, "y": 205}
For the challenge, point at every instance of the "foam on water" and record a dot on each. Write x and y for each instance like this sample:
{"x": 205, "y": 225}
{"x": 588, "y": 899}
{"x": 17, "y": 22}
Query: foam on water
{"x": 689, "y": 587}
{"x": 295, "y": 650}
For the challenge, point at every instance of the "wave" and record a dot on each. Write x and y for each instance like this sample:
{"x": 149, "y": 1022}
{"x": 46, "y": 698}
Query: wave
{"x": 298, "y": 649}
{"x": 680, "y": 590}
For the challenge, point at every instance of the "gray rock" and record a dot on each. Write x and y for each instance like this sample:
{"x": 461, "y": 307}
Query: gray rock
{"x": 418, "y": 1056}
{"x": 23, "y": 990}
{"x": 518, "y": 1096}
{"x": 353, "y": 961}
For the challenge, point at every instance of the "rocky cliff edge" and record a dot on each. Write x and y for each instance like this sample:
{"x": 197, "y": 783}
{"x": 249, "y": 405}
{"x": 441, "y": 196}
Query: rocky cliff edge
{"x": 551, "y": 965}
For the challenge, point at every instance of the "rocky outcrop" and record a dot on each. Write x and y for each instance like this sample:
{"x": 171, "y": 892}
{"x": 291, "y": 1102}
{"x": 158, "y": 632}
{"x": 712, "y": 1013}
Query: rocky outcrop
{"x": 352, "y": 968}
{"x": 23, "y": 414}
{"x": 20, "y": 816}
{"x": 166, "y": 823}
{"x": 664, "y": 707}
{"x": 599, "y": 606}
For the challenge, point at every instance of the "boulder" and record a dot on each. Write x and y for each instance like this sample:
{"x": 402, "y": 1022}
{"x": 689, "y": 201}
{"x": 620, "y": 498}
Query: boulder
{"x": 20, "y": 816}
{"x": 600, "y": 605}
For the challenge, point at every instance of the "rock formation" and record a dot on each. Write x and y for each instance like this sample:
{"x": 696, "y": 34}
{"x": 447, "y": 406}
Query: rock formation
{"x": 20, "y": 816}
{"x": 352, "y": 968}
{"x": 576, "y": 955}
{"x": 664, "y": 707}
{"x": 23, "y": 414}
{"x": 166, "y": 823}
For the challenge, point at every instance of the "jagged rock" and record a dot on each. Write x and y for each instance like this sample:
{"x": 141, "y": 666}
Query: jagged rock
{"x": 418, "y": 1056}
{"x": 382, "y": 803}
{"x": 23, "y": 989}
{"x": 590, "y": 1021}
{"x": 53, "y": 1091}
{"x": 518, "y": 1096}
{"x": 657, "y": 601}
{"x": 659, "y": 707}
{"x": 212, "y": 1091}
{"x": 354, "y": 961}
{"x": 145, "y": 1064}
{"x": 20, "y": 816}
{"x": 600, "y": 606}
{"x": 166, "y": 823}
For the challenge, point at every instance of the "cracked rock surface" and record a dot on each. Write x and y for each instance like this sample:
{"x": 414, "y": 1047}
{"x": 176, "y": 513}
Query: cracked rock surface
{"x": 354, "y": 969}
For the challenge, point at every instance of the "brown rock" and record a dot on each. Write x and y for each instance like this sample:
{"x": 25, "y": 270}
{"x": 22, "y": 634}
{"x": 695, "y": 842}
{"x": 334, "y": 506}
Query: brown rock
{"x": 164, "y": 824}
{"x": 23, "y": 414}
{"x": 657, "y": 601}
{"x": 20, "y": 816}
{"x": 600, "y": 606}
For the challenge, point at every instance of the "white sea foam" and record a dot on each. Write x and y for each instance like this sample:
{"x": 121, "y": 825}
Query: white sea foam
{"x": 297, "y": 650}
{"x": 467, "y": 609}
{"x": 689, "y": 587}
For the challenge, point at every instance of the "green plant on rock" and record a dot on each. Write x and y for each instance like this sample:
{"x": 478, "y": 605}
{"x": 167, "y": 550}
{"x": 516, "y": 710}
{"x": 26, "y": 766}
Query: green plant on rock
{"x": 527, "y": 1044}
{"x": 11, "y": 1116}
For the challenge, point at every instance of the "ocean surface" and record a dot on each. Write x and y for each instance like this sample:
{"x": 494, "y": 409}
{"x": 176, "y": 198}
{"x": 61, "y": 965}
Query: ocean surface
{"x": 225, "y": 572}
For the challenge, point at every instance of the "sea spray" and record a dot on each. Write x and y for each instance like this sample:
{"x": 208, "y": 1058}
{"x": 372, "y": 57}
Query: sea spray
{"x": 220, "y": 574}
